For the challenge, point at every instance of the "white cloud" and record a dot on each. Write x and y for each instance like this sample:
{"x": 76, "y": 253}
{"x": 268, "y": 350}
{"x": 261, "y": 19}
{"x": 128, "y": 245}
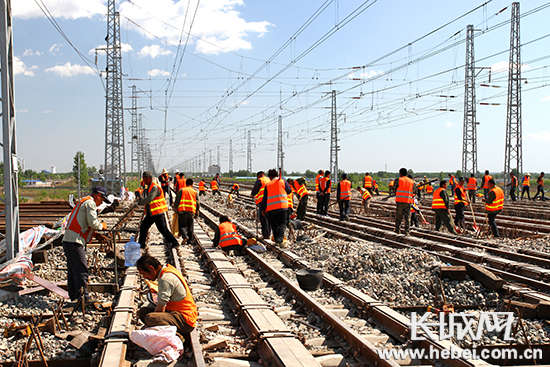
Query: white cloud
{"x": 19, "y": 67}
{"x": 47, "y": 111}
{"x": 29, "y": 52}
{"x": 126, "y": 47}
{"x": 365, "y": 74}
{"x": 449, "y": 124}
{"x": 68, "y": 9}
{"x": 157, "y": 72}
{"x": 69, "y": 69}
{"x": 502, "y": 66}
{"x": 153, "y": 51}
{"x": 540, "y": 136}
{"x": 217, "y": 22}
{"x": 55, "y": 47}
{"x": 21, "y": 111}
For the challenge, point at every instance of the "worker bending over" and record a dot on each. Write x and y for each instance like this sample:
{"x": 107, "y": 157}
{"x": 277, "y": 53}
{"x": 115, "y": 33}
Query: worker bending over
{"x": 301, "y": 192}
{"x": 155, "y": 209}
{"x": 235, "y": 189}
{"x": 175, "y": 304}
{"x": 493, "y": 205}
{"x": 366, "y": 198}
{"x": 79, "y": 231}
{"x": 227, "y": 237}
{"x": 343, "y": 195}
{"x": 440, "y": 205}
{"x": 275, "y": 205}
{"x": 187, "y": 206}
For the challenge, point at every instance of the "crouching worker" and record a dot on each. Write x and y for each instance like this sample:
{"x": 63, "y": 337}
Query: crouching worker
{"x": 175, "y": 304}
{"x": 228, "y": 238}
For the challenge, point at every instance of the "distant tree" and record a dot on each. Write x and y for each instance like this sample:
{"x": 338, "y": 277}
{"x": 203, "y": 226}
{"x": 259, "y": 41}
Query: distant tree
{"x": 410, "y": 172}
{"x": 79, "y": 165}
{"x": 310, "y": 174}
{"x": 441, "y": 176}
{"x": 458, "y": 174}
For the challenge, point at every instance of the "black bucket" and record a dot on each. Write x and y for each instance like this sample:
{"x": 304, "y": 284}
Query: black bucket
{"x": 309, "y": 279}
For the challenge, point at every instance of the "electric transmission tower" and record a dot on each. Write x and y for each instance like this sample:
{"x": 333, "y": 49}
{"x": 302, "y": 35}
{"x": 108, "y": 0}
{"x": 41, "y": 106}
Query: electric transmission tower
{"x": 512, "y": 156}
{"x": 115, "y": 169}
{"x": 469, "y": 146}
{"x": 11, "y": 194}
{"x": 249, "y": 154}
{"x": 334, "y": 139}
{"x": 218, "y": 157}
{"x": 135, "y": 142}
{"x": 280, "y": 154}
{"x": 230, "y": 155}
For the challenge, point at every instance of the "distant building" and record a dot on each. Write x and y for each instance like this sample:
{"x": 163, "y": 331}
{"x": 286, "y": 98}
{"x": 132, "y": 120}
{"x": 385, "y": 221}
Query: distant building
{"x": 53, "y": 169}
{"x": 213, "y": 169}
{"x": 37, "y": 183}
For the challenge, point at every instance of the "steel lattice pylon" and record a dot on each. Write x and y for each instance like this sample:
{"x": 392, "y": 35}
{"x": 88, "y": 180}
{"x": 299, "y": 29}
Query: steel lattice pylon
{"x": 513, "y": 150}
{"x": 230, "y": 168}
{"x": 249, "y": 154}
{"x": 11, "y": 195}
{"x": 280, "y": 154}
{"x": 136, "y": 166}
{"x": 334, "y": 139}
{"x": 115, "y": 167}
{"x": 469, "y": 146}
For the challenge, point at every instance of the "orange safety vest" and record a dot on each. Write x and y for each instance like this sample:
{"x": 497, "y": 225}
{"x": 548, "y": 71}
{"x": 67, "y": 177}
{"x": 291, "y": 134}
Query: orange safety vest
{"x": 486, "y": 179}
{"x": 366, "y": 195}
{"x": 317, "y": 182}
{"x": 404, "y": 193}
{"x": 180, "y": 184}
{"x": 463, "y": 192}
{"x": 368, "y": 182}
{"x": 472, "y": 184}
{"x": 166, "y": 177}
{"x": 73, "y": 224}
{"x": 186, "y": 306}
{"x": 188, "y": 201}
{"x": 391, "y": 183}
{"x": 214, "y": 185}
{"x": 345, "y": 190}
{"x": 323, "y": 183}
{"x": 276, "y": 195}
{"x": 235, "y": 187}
{"x": 158, "y": 205}
{"x": 498, "y": 203}
{"x": 452, "y": 180}
{"x": 526, "y": 180}
{"x": 514, "y": 181}
{"x": 375, "y": 184}
{"x": 300, "y": 189}
{"x": 290, "y": 201}
{"x": 260, "y": 194}
{"x": 429, "y": 189}
{"x": 229, "y": 235}
{"x": 437, "y": 202}
{"x": 201, "y": 186}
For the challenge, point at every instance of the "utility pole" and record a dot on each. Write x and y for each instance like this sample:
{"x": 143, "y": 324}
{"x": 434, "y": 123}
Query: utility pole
{"x": 115, "y": 166}
{"x": 230, "y": 155}
{"x": 218, "y": 157}
{"x": 135, "y": 143}
{"x": 78, "y": 164}
{"x": 469, "y": 132}
{"x": 513, "y": 151}
{"x": 11, "y": 194}
{"x": 280, "y": 153}
{"x": 249, "y": 154}
{"x": 334, "y": 139}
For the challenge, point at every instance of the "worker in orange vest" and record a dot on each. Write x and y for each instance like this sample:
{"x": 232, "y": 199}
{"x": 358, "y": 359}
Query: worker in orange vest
{"x": 366, "y": 198}
{"x": 367, "y": 183}
{"x": 318, "y": 191}
{"x": 324, "y": 187}
{"x": 472, "y": 188}
{"x": 493, "y": 205}
{"x": 180, "y": 182}
{"x": 461, "y": 201}
{"x": 485, "y": 183}
{"x": 452, "y": 182}
{"x": 526, "y": 186}
{"x": 258, "y": 194}
{"x": 390, "y": 187}
{"x": 175, "y": 305}
{"x": 227, "y": 237}
{"x": 214, "y": 186}
{"x": 513, "y": 186}
{"x": 164, "y": 180}
{"x": 301, "y": 191}
{"x": 187, "y": 206}
{"x": 202, "y": 188}
{"x": 275, "y": 205}
{"x": 235, "y": 189}
{"x": 79, "y": 231}
{"x": 155, "y": 209}
{"x": 404, "y": 190}
{"x": 540, "y": 187}
{"x": 343, "y": 195}
{"x": 440, "y": 205}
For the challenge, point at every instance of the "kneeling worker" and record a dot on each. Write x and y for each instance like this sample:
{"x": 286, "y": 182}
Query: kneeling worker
{"x": 175, "y": 302}
{"x": 235, "y": 189}
{"x": 227, "y": 237}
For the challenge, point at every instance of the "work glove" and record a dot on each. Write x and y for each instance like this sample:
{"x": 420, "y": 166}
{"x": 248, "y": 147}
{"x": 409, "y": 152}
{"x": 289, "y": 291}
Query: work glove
{"x": 103, "y": 226}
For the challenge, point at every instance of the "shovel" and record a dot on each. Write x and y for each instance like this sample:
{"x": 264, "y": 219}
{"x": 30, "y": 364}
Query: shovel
{"x": 456, "y": 228}
{"x": 424, "y": 221}
{"x": 476, "y": 227}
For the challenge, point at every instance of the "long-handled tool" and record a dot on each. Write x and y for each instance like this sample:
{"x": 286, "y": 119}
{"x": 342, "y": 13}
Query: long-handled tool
{"x": 457, "y": 229}
{"x": 476, "y": 227}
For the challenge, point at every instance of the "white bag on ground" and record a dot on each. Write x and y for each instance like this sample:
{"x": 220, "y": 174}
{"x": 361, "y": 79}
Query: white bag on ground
{"x": 161, "y": 341}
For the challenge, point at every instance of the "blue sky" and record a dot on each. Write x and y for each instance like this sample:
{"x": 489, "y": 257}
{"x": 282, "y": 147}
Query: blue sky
{"x": 247, "y": 62}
